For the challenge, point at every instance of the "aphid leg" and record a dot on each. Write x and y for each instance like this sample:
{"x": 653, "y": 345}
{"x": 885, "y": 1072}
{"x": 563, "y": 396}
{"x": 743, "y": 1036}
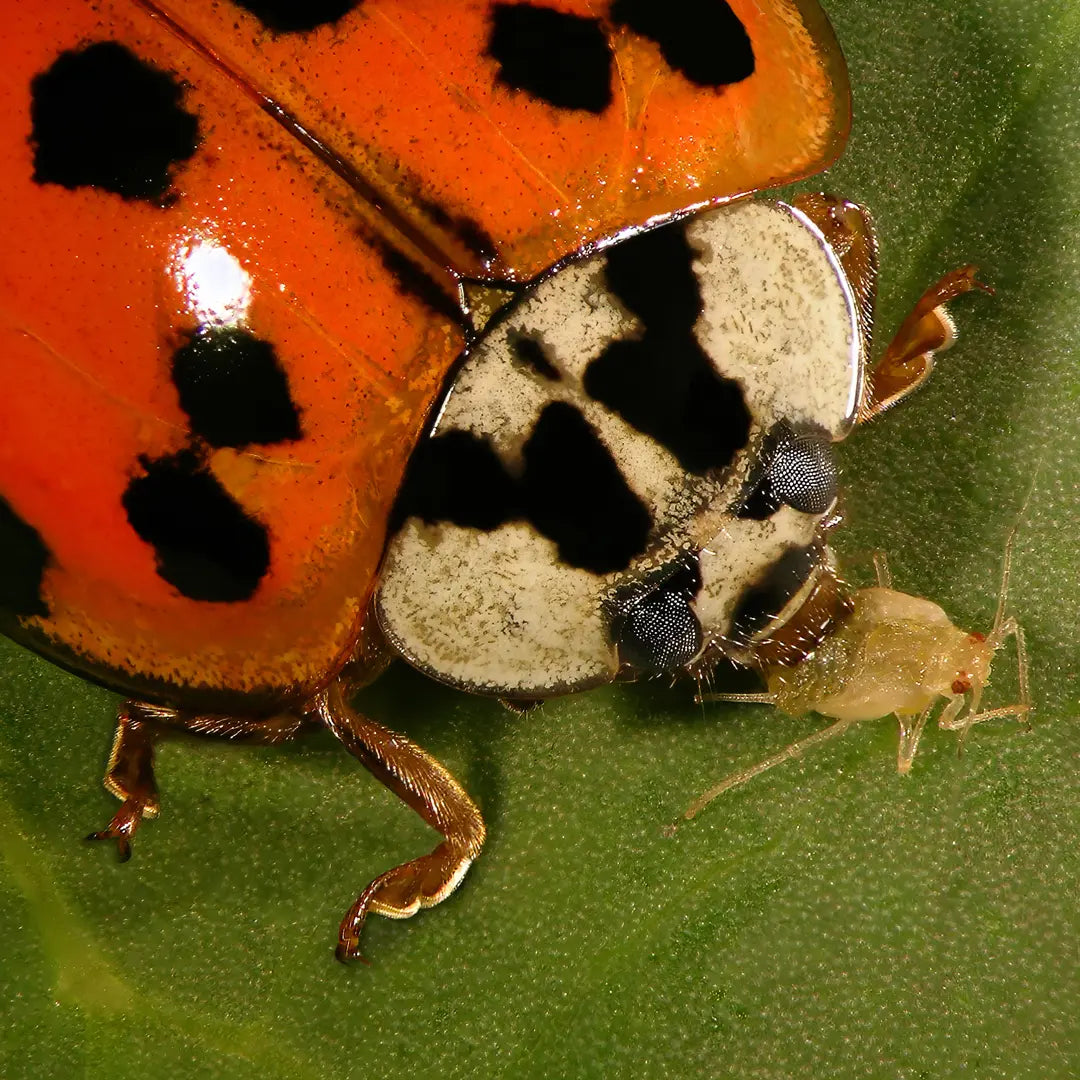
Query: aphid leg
{"x": 911, "y": 729}
{"x": 425, "y": 785}
{"x": 745, "y": 699}
{"x": 130, "y": 772}
{"x": 881, "y": 569}
{"x": 907, "y": 362}
{"x": 794, "y": 750}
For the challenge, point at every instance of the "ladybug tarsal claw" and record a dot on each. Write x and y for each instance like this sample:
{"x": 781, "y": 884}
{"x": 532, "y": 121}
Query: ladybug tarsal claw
{"x": 348, "y": 950}
{"x": 123, "y": 826}
{"x": 123, "y": 844}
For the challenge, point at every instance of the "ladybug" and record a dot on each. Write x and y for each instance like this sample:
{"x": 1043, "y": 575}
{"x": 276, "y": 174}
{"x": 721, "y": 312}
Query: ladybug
{"x": 247, "y": 243}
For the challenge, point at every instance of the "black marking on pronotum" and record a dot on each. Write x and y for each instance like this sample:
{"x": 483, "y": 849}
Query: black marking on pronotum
{"x": 234, "y": 389}
{"x": 576, "y": 496}
{"x": 657, "y": 631}
{"x": 456, "y": 477}
{"x": 796, "y": 468}
{"x": 703, "y": 39}
{"x": 762, "y": 601}
{"x": 103, "y": 118}
{"x": 206, "y": 545}
{"x": 570, "y": 490}
{"x": 530, "y": 352}
{"x": 413, "y": 280}
{"x": 661, "y": 381}
{"x": 297, "y": 16}
{"x": 561, "y": 59}
{"x": 24, "y": 559}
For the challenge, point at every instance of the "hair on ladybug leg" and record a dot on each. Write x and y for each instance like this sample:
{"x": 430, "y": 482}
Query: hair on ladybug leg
{"x": 893, "y": 653}
{"x": 422, "y": 783}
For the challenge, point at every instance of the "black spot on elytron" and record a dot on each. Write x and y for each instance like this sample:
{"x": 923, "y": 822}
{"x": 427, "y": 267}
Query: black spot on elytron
{"x": 530, "y": 352}
{"x": 761, "y": 602}
{"x": 576, "y": 496}
{"x": 662, "y": 382}
{"x": 206, "y": 545}
{"x": 703, "y": 39}
{"x": 570, "y": 490}
{"x": 456, "y": 477}
{"x": 561, "y": 59}
{"x": 234, "y": 389}
{"x": 23, "y": 561}
{"x": 659, "y": 631}
{"x": 103, "y": 118}
{"x": 414, "y": 281}
{"x": 297, "y": 16}
{"x": 796, "y": 469}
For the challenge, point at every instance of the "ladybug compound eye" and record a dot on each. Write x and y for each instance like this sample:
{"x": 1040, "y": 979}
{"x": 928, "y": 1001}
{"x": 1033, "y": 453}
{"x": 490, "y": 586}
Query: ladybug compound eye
{"x": 797, "y": 469}
{"x": 658, "y": 630}
{"x": 660, "y": 634}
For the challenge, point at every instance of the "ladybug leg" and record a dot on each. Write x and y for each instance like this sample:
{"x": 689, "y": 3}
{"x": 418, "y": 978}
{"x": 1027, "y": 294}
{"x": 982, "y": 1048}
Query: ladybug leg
{"x": 849, "y": 230}
{"x": 909, "y": 358}
{"x": 907, "y": 362}
{"x": 425, "y": 785}
{"x": 130, "y": 774}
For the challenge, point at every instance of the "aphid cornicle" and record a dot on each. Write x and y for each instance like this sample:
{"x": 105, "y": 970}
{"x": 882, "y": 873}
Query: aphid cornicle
{"x": 236, "y": 280}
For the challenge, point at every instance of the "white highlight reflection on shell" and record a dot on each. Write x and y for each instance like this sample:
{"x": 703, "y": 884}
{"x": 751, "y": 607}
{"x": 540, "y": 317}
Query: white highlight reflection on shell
{"x": 216, "y": 286}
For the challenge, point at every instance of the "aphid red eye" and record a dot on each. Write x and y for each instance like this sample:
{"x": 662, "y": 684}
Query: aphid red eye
{"x": 976, "y": 636}
{"x": 961, "y": 686}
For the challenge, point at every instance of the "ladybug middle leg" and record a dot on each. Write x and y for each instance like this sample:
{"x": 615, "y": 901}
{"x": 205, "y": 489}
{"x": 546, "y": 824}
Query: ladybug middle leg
{"x": 405, "y": 768}
{"x": 130, "y": 772}
{"x": 427, "y": 786}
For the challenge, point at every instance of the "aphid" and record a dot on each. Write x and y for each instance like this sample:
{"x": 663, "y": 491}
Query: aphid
{"x": 891, "y": 653}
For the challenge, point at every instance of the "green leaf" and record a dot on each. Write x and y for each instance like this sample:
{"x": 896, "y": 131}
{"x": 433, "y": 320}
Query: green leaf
{"x": 829, "y": 919}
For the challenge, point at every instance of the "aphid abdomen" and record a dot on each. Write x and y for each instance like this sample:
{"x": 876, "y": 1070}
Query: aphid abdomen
{"x": 894, "y": 653}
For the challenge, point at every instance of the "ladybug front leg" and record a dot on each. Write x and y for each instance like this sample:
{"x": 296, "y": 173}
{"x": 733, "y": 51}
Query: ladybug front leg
{"x": 425, "y": 785}
{"x": 907, "y": 362}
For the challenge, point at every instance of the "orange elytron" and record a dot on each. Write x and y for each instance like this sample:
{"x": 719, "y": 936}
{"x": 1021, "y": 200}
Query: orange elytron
{"x": 236, "y": 239}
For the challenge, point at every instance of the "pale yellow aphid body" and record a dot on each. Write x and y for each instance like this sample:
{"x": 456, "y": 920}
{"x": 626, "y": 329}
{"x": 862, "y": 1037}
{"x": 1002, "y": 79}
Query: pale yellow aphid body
{"x": 893, "y": 654}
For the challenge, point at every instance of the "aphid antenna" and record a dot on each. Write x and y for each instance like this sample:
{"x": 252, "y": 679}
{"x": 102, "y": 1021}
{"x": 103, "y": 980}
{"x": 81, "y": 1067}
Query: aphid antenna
{"x": 1005, "y": 627}
{"x": 789, "y": 753}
